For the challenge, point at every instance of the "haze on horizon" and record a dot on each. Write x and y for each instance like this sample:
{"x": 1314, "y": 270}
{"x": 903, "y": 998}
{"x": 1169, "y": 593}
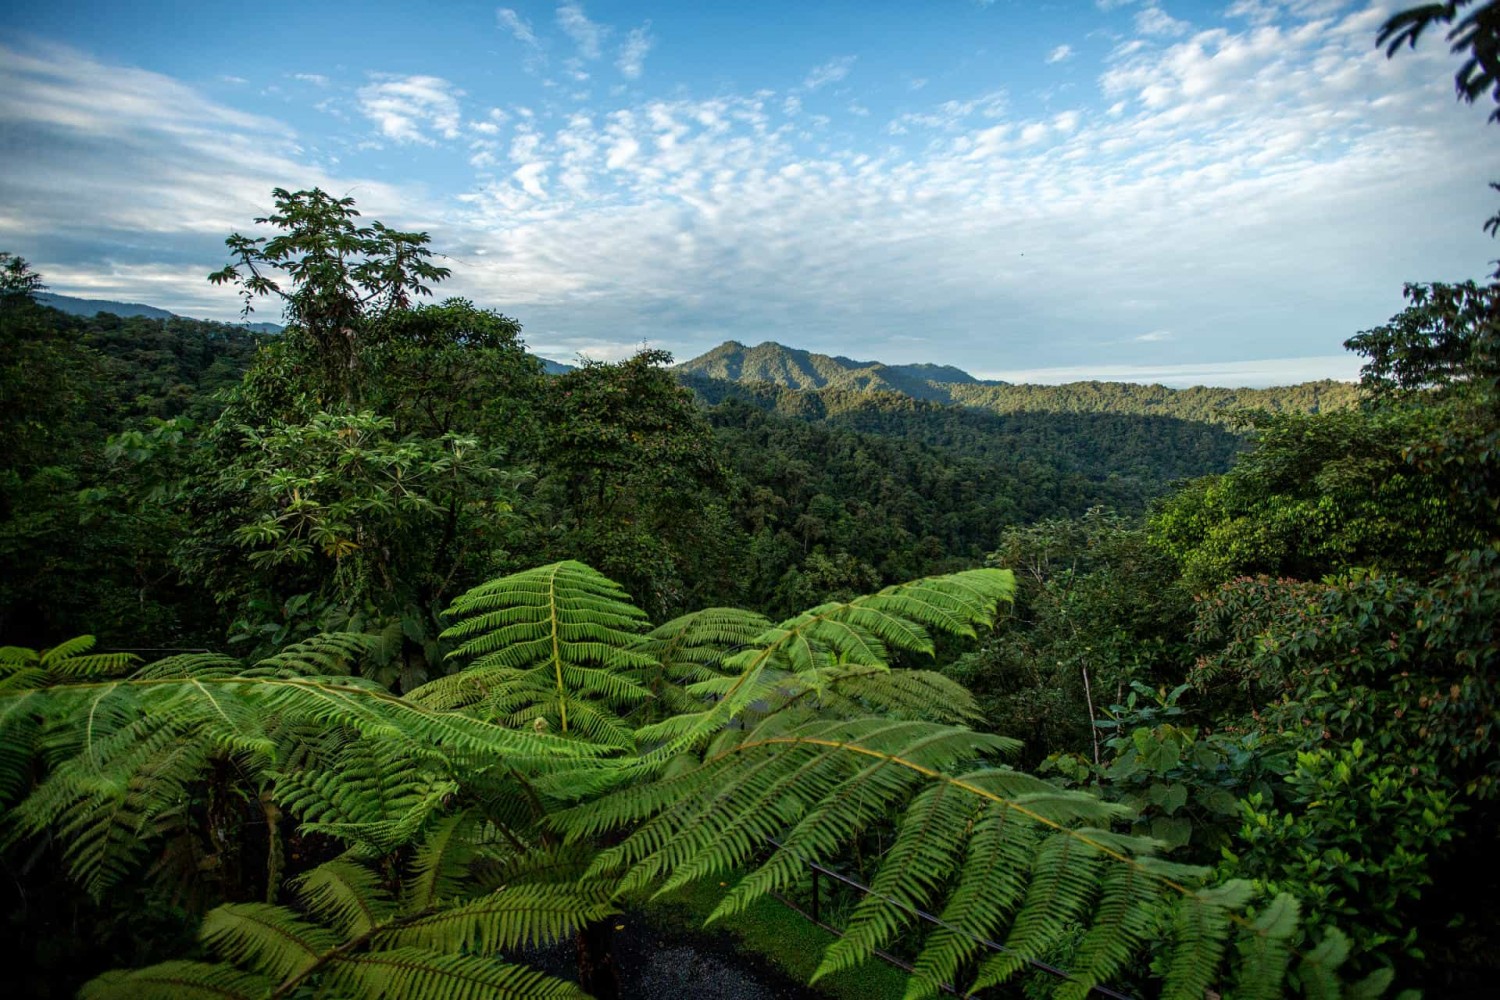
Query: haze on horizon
{"x": 1179, "y": 192}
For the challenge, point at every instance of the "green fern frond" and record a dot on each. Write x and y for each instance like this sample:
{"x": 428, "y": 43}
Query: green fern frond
{"x": 857, "y": 632}
{"x": 519, "y": 916}
{"x": 70, "y": 659}
{"x": 1266, "y": 950}
{"x": 347, "y": 896}
{"x": 330, "y": 654}
{"x": 179, "y": 981}
{"x": 1200, "y": 931}
{"x": 367, "y": 796}
{"x": 270, "y": 940}
{"x": 441, "y": 864}
{"x": 414, "y": 974}
{"x": 541, "y": 640}
{"x": 185, "y": 665}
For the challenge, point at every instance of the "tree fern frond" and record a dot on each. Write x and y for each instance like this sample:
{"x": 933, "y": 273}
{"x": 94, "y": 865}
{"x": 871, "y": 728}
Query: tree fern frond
{"x": 179, "y": 981}
{"x": 329, "y": 654}
{"x": 440, "y": 864}
{"x": 856, "y": 632}
{"x": 346, "y": 895}
{"x": 414, "y": 974}
{"x": 1064, "y": 879}
{"x": 1200, "y": 924}
{"x": 1266, "y": 950}
{"x": 542, "y": 637}
{"x": 269, "y": 939}
{"x": 519, "y": 916}
{"x": 367, "y": 796}
{"x": 185, "y": 665}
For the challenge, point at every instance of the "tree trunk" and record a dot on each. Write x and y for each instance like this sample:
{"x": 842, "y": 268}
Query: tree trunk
{"x": 597, "y": 973}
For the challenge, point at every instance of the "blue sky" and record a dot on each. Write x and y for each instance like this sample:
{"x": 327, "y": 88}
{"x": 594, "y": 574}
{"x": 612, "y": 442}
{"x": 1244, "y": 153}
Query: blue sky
{"x": 1170, "y": 191}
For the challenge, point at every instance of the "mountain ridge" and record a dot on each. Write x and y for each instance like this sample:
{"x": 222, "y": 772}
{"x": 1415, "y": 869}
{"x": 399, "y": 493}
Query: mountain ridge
{"x": 836, "y": 381}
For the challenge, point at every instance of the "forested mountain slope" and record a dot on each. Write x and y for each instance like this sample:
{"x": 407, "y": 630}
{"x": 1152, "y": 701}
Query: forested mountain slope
{"x": 790, "y": 368}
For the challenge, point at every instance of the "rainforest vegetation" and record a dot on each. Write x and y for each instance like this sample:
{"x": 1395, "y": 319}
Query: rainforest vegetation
{"x": 365, "y": 659}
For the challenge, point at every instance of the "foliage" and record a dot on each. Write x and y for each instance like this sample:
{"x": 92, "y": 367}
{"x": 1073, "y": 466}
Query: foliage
{"x": 1354, "y": 840}
{"x": 808, "y": 764}
{"x": 1094, "y": 613}
{"x": 341, "y": 275}
{"x": 633, "y": 479}
{"x": 353, "y": 935}
{"x": 1316, "y": 495}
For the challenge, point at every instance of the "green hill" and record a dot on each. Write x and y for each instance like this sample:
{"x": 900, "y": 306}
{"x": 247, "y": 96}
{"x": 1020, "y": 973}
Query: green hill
{"x": 776, "y": 365}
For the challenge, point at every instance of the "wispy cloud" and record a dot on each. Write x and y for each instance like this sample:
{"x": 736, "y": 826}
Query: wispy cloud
{"x": 1059, "y": 54}
{"x": 316, "y": 79}
{"x": 519, "y": 28}
{"x": 587, "y": 35}
{"x": 1157, "y": 22}
{"x": 1256, "y": 374}
{"x": 412, "y": 108}
{"x": 632, "y": 60}
{"x": 1229, "y": 195}
{"x": 832, "y": 71}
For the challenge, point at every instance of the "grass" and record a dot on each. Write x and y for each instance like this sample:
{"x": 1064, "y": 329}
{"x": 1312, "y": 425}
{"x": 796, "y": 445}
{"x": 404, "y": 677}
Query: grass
{"x": 790, "y": 942}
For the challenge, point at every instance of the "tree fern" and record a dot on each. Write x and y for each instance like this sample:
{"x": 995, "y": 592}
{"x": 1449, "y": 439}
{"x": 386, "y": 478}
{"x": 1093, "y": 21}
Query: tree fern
{"x": 860, "y": 632}
{"x": 554, "y": 646}
{"x": 351, "y": 937}
{"x": 122, "y": 754}
{"x": 1005, "y": 857}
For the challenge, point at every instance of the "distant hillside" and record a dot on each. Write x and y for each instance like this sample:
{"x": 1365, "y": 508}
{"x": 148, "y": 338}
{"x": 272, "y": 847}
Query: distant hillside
{"x": 772, "y": 364}
{"x": 550, "y": 367}
{"x": 798, "y": 369}
{"x": 93, "y": 307}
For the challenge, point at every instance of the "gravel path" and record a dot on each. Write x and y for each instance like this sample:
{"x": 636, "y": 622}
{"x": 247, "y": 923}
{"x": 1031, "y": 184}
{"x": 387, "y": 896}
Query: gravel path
{"x": 657, "y": 964}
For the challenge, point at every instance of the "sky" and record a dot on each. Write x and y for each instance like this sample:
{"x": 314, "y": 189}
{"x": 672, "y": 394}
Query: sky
{"x": 1155, "y": 190}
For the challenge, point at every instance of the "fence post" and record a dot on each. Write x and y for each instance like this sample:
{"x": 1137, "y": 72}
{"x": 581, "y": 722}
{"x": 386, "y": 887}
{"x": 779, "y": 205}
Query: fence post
{"x": 815, "y": 896}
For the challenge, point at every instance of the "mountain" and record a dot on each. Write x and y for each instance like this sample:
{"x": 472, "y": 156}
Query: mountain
{"x": 793, "y": 368}
{"x": 550, "y": 367}
{"x": 93, "y": 307}
{"x": 770, "y": 365}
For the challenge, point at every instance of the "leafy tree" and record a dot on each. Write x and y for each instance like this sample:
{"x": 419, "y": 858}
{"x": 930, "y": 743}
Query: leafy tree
{"x": 632, "y": 478}
{"x": 343, "y": 276}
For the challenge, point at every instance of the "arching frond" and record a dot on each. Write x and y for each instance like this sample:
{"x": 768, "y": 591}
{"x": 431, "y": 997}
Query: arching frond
{"x": 330, "y": 654}
{"x": 1014, "y": 866}
{"x": 519, "y": 916}
{"x": 414, "y": 974}
{"x": 355, "y": 941}
{"x": 559, "y": 642}
{"x": 268, "y": 939}
{"x": 344, "y": 754}
{"x": 179, "y": 981}
{"x": 854, "y": 633}
{"x": 347, "y": 896}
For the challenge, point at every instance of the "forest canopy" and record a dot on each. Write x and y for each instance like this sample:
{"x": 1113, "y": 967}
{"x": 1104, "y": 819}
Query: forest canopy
{"x": 369, "y": 660}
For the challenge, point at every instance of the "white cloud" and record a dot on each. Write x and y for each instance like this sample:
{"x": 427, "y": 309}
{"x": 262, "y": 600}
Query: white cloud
{"x": 519, "y": 28}
{"x": 832, "y": 71}
{"x": 587, "y": 35}
{"x": 638, "y": 43}
{"x": 1231, "y": 195}
{"x": 1155, "y": 21}
{"x": 1257, "y": 374}
{"x": 410, "y": 108}
{"x": 316, "y": 79}
{"x": 1154, "y": 337}
{"x": 1059, "y": 54}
